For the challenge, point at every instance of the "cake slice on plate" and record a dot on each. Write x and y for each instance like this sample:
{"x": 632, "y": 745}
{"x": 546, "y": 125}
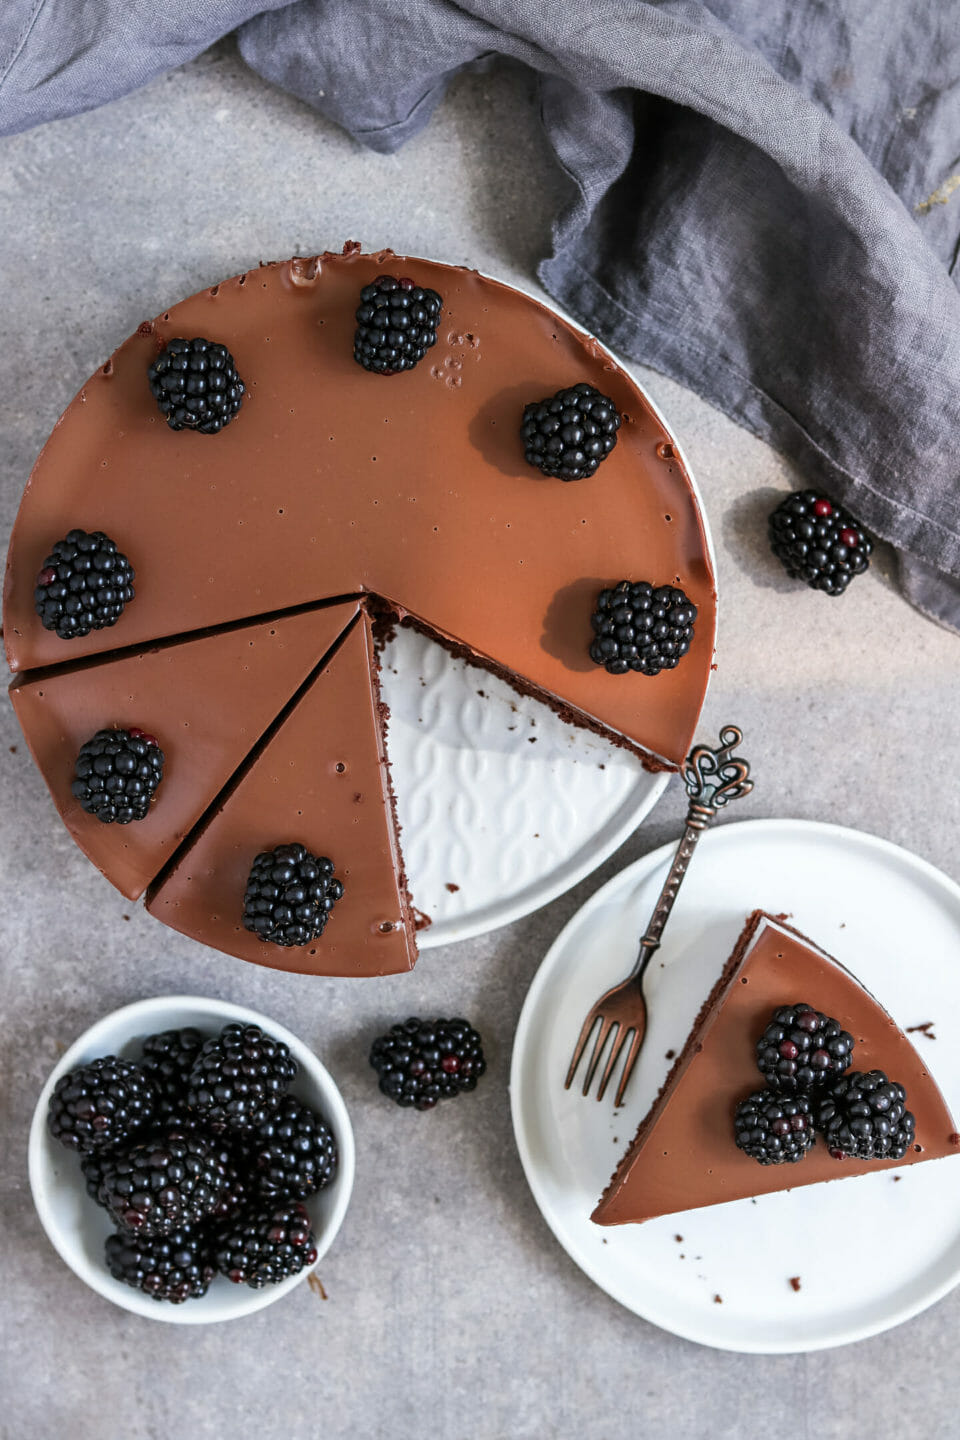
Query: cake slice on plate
{"x": 685, "y": 1156}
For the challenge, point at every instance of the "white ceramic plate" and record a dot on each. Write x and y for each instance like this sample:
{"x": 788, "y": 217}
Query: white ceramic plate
{"x": 869, "y": 1252}
{"x": 77, "y": 1227}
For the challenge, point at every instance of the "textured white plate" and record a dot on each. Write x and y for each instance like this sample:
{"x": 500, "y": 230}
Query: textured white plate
{"x": 869, "y": 1252}
{"x": 77, "y": 1227}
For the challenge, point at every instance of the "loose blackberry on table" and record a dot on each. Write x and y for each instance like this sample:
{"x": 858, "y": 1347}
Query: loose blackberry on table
{"x": 239, "y": 1078}
{"x": 172, "y": 1179}
{"x": 289, "y": 895}
{"x": 293, "y": 1152}
{"x": 802, "y": 1050}
{"x": 265, "y": 1244}
{"x": 117, "y": 774}
{"x": 642, "y": 627}
{"x": 570, "y": 433}
{"x": 396, "y": 324}
{"x": 818, "y": 541}
{"x": 174, "y": 1267}
{"x": 422, "y": 1061}
{"x": 196, "y": 385}
{"x": 84, "y": 585}
{"x": 774, "y": 1129}
{"x": 102, "y": 1104}
{"x": 862, "y": 1115}
{"x": 169, "y": 1057}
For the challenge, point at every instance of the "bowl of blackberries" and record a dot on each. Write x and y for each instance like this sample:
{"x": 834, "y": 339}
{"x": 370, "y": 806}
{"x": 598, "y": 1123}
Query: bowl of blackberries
{"x": 190, "y": 1160}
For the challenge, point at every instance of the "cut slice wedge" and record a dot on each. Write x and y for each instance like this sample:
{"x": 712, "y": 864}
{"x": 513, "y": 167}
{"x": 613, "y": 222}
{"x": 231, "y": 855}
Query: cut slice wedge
{"x": 683, "y": 1156}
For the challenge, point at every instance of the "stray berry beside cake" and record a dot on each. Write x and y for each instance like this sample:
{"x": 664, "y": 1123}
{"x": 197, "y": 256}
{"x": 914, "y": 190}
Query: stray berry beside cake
{"x": 771, "y": 1092}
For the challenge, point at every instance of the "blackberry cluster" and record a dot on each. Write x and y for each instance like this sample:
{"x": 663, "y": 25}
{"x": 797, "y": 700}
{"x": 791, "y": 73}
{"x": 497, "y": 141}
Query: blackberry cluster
{"x": 568, "y": 434}
{"x": 84, "y": 585}
{"x": 289, "y": 895}
{"x": 801, "y": 1049}
{"x": 294, "y": 1152}
{"x": 804, "y": 1057}
{"x": 173, "y": 1267}
{"x": 117, "y": 774}
{"x": 200, "y": 1157}
{"x": 265, "y": 1244}
{"x": 396, "y": 325}
{"x": 774, "y": 1129}
{"x": 422, "y": 1061}
{"x": 196, "y": 385}
{"x": 638, "y": 626}
{"x": 864, "y": 1115}
{"x": 818, "y": 541}
{"x": 97, "y": 1105}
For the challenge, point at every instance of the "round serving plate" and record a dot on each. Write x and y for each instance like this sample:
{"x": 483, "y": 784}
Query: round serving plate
{"x": 866, "y": 1253}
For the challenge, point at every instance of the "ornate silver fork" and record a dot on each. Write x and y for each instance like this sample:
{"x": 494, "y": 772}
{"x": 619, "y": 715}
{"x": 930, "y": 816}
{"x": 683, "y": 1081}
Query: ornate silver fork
{"x": 713, "y": 779}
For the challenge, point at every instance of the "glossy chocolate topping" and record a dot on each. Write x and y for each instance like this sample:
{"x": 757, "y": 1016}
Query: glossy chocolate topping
{"x": 684, "y": 1154}
{"x": 321, "y": 779}
{"x": 333, "y": 481}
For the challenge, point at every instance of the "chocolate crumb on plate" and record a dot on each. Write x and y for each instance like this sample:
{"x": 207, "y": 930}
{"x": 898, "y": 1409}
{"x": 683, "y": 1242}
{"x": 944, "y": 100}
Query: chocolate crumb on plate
{"x": 794, "y": 1282}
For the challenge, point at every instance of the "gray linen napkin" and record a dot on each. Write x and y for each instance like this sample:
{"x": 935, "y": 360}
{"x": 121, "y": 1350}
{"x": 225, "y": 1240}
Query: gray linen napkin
{"x": 764, "y": 194}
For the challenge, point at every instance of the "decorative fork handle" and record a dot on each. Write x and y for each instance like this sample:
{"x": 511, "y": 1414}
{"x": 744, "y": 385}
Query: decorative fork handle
{"x": 713, "y": 779}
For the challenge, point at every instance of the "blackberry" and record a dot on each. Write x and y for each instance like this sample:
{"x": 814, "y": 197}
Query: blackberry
{"x": 294, "y": 1152}
{"x": 818, "y": 541}
{"x": 568, "y": 434}
{"x": 169, "y": 1057}
{"x": 422, "y": 1061}
{"x": 84, "y": 585}
{"x": 239, "y": 1078}
{"x": 93, "y": 1163}
{"x": 289, "y": 895}
{"x": 174, "y": 1267}
{"x": 102, "y": 1104}
{"x": 396, "y": 325}
{"x": 172, "y": 1179}
{"x": 266, "y": 1243}
{"x": 864, "y": 1115}
{"x": 196, "y": 385}
{"x": 774, "y": 1129}
{"x": 117, "y": 774}
{"x": 638, "y": 626}
{"x": 801, "y": 1050}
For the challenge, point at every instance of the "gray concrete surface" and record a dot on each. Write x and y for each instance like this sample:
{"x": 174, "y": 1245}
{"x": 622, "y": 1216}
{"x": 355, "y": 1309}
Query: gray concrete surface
{"x": 452, "y": 1311}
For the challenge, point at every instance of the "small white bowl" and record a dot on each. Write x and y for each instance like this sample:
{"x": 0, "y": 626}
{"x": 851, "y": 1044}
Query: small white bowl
{"x": 77, "y": 1227}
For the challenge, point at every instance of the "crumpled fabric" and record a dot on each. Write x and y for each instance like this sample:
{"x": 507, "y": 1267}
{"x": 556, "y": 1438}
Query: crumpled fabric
{"x": 764, "y": 194}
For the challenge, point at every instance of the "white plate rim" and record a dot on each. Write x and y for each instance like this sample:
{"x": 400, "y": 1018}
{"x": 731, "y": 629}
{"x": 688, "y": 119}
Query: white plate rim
{"x": 632, "y": 876}
{"x": 247, "y": 1301}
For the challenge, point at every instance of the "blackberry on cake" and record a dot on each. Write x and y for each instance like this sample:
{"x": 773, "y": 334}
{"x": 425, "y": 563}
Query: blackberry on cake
{"x": 422, "y": 1061}
{"x": 239, "y": 1079}
{"x": 265, "y": 1244}
{"x": 169, "y": 1057}
{"x": 396, "y": 324}
{"x": 117, "y": 774}
{"x": 801, "y": 1049}
{"x": 84, "y": 585}
{"x": 102, "y": 1104}
{"x": 774, "y": 1129}
{"x": 570, "y": 433}
{"x": 863, "y": 1115}
{"x": 196, "y": 385}
{"x": 174, "y": 1267}
{"x": 172, "y": 1179}
{"x": 640, "y": 626}
{"x": 289, "y": 895}
{"x": 293, "y": 1152}
{"x": 818, "y": 541}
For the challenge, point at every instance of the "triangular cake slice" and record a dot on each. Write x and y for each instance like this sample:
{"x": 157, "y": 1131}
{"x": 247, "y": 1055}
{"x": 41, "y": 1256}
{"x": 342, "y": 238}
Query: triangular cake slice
{"x": 319, "y": 778}
{"x": 683, "y": 1155}
{"x": 207, "y": 701}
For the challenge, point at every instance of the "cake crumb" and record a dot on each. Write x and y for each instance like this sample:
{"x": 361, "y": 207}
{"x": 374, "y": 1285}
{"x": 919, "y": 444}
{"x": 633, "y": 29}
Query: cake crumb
{"x": 601, "y": 766}
{"x": 679, "y": 1239}
{"x": 671, "y": 1054}
{"x": 794, "y": 1282}
{"x": 925, "y": 1029}
{"x": 316, "y": 1285}
{"x": 604, "y": 1240}
{"x": 13, "y": 749}
{"x": 451, "y": 887}
{"x": 482, "y": 694}
{"x": 531, "y": 739}
{"x": 895, "y": 1178}
{"x": 718, "y": 1299}
{"x": 126, "y": 917}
